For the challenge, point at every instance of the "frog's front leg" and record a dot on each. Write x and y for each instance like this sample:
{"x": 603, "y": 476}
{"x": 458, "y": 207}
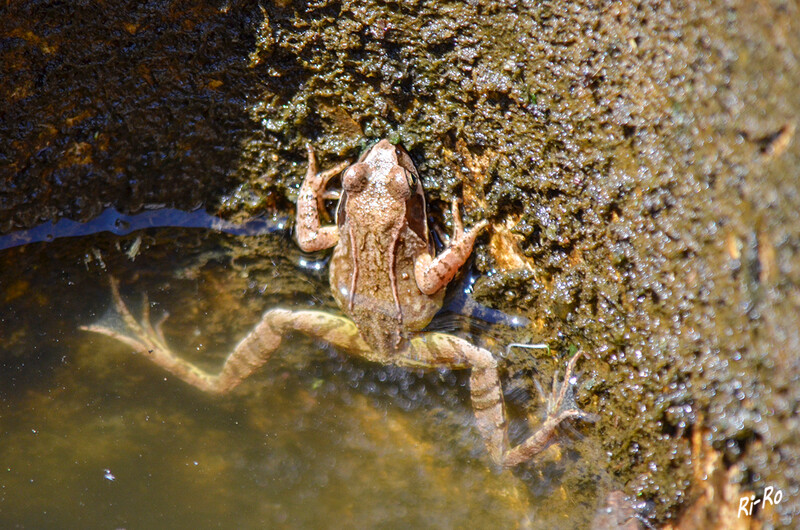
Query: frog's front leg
{"x": 442, "y": 350}
{"x": 310, "y": 235}
{"x": 249, "y": 355}
{"x": 434, "y": 273}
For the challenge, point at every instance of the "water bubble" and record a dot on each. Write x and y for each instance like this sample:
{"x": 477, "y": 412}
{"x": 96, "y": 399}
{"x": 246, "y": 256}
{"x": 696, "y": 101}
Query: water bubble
{"x": 122, "y": 225}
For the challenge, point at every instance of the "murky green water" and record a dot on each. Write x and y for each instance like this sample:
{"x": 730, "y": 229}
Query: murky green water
{"x": 93, "y": 436}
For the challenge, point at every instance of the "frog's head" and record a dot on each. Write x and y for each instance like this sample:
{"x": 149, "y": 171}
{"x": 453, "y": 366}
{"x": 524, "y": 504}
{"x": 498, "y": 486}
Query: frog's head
{"x": 384, "y": 186}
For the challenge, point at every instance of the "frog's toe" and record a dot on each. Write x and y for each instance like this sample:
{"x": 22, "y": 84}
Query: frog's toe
{"x": 141, "y": 335}
{"x": 561, "y": 401}
{"x": 116, "y": 334}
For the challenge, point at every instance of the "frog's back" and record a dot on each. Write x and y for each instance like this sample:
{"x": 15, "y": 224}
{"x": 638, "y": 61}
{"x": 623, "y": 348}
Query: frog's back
{"x": 374, "y": 309}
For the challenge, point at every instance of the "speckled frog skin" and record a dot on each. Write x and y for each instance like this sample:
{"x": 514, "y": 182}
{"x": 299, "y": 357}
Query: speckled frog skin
{"x": 382, "y": 273}
{"x": 387, "y": 282}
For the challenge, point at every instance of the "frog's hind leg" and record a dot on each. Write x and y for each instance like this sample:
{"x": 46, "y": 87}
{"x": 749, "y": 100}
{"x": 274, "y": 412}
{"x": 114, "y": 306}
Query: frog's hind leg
{"x": 433, "y": 350}
{"x": 559, "y": 408}
{"x": 249, "y": 355}
{"x": 441, "y": 350}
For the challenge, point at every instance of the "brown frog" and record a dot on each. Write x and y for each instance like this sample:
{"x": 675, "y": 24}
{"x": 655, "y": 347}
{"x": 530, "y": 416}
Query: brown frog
{"x": 389, "y": 284}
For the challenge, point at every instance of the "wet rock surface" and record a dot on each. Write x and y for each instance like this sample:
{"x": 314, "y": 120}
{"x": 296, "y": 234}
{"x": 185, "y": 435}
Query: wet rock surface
{"x": 638, "y": 164}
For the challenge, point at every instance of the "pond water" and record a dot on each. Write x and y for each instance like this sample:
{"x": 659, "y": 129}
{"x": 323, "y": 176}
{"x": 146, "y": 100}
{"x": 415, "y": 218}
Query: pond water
{"x": 93, "y": 436}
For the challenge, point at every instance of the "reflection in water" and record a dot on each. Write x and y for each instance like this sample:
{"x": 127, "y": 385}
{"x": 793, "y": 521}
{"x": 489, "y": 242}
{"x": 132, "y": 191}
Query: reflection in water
{"x": 117, "y": 223}
{"x": 96, "y": 437}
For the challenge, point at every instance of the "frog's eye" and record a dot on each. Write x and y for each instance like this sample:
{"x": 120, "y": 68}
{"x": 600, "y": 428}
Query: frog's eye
{"x": 411, "y": 178}
{"x": 355, "y": 177}
{"x": 404, "y": 161}
{"x": 398, "y": 183}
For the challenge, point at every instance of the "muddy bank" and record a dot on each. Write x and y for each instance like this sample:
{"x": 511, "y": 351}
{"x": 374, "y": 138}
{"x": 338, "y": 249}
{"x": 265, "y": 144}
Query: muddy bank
{"x": 638, "y": 165}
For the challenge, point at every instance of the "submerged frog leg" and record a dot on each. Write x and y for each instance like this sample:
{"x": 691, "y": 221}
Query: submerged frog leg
{"x": 310, "y": 235}
{"x": 434, "y": 273}
{"x": 559, "y": 408}
{"x": 249, "y": 355}
{"x": 441, "y": 350}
